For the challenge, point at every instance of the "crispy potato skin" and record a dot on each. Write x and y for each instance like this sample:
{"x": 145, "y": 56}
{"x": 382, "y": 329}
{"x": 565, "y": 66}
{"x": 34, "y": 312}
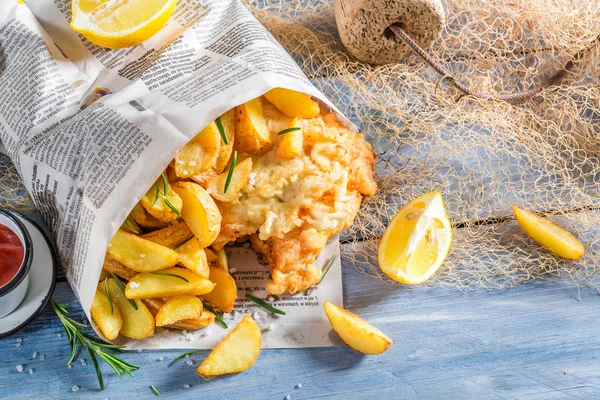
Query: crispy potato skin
{"x": 292, "y": 103}
{"x": 109, "y": 323}
{"x": 137, "y": 324}
{"x": 145, "y": 220}
{"x": 148, "y": 285}
{"x": 170, "y": 236}
{"x": 157, "y": 206}
{"x": 200, "y": 153}
{"x": 251, "y": 132}
{"x": 241, "y": 173}
{"x": 237, "y": 352}
{"x": 179, "y": 308}
{"x": 139, "y": 254}
{"x": 114, "y": 266}
{"x": 228, "y": 121}
{"x": 224, "y": 295}
{"x": 199, "y": 211}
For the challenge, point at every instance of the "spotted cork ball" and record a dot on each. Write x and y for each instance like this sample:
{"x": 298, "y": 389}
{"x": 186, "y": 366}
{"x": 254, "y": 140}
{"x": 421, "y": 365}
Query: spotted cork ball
{"x": 364, "y": 26}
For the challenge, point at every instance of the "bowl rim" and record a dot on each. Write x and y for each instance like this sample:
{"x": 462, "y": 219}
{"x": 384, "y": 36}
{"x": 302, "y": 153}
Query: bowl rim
{"x": 23, "y": 270}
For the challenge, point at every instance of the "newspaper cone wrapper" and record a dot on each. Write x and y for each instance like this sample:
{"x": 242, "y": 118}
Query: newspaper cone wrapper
{"x": 90, "y": 129}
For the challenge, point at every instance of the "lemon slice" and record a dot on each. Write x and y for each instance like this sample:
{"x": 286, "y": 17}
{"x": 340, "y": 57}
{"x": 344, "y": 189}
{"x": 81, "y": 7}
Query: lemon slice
{"x": 549, "y": 235}
{"x": 417, "y": 240}
{"x": 120, "y": 23}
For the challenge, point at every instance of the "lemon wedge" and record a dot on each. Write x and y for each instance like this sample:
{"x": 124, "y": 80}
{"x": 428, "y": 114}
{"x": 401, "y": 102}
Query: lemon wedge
{"x": 120, "y": 23}
{"x": 417, "y": 240}
{"x": 549, "y": 235}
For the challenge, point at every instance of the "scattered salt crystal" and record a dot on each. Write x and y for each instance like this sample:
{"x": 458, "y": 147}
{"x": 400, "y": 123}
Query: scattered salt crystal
{"x": 192, "y": 163}
{"x": 184, "y": 333}
{"x": 30, "y": 371}
{"x": 190, "y": 362}
{"x": 269, "y": 328}
{"x": 299, "y": 386}
{"x": 189, "y": 337}
{"x": 42, "y": 357}
{"x": 270, "y": 299}
{"x": 133, "y": 284}
{"x": 109, "y": 245}
{"x": 204, "y": 332}
{"x": 226, "y": 315}
{"x": 187, "y": 356}
{"x": 34, "y": 355}
{"x": 75, "y": 388}
{"x": 18, "y": 344}
{"x": 186, "y": 386}
{"x": 70, "y": 366}
{"x": 255, "y": 315}
{"x": 288, "y": 397}
{"x": 59, "y": 335}
{"x": 161, "y": 358}
{"x": 19, "y": 340}
{"x": 252, "y": 178}
{"x": 19, "y": 368}
{"x": 208, "y": 190}
{"x": 142, "y": 256}
{"x": 232, "y": 270}
{"x": 185, "y": 171}
{"x": 140, "y": 350}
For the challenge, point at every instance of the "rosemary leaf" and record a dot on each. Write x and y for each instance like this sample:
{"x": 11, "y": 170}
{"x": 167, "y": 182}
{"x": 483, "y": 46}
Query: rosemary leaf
{"x": 108, "y": 295}
{"x": 178, "y": 245}
{"x": 97, "y": 368}
{"x": 128, "y": 225}
{"x": 168, "y": 203}
{"x": 327, "y": 266}
{"x": 168, "y": 274}
{"x": 264, "y": 305}
{"x": 165, "y": 183}
{"x": 292, "y": 129}
{"x": 185, "y": 354}
{"x": 230, "y": 174}
{"x": 222, "y": 130}
{"x": 120, "y": 285}
{"x": 155, "y": 390}
{"x": 217, "y": 316}
{"x": 156, "y": 195}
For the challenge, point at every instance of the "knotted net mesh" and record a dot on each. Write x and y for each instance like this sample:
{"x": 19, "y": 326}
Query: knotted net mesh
{"x": 484, "y": 156}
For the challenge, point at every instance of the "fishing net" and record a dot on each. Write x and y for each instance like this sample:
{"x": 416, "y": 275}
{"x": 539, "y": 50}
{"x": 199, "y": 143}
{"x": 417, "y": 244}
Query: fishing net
{"x": 13, "y": 195}
{"x": 485, "y": 156}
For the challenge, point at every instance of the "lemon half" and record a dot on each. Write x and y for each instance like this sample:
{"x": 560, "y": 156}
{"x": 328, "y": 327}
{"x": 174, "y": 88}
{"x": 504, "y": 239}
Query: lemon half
{"x": 120, "y": 23}
{"x": 417, "y": 240}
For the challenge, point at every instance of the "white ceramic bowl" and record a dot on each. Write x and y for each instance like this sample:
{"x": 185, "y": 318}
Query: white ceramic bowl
{"x": 14, "y": 291}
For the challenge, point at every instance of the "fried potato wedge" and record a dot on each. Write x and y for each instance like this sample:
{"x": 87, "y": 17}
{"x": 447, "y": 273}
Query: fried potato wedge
{"x": 199, "y": 211}
{"x": 145, "y": 220}
{"x": 222, "y": 261}
{"x": 239, "y": 177}
{"x": 130, "y": 226}
{"x": 549, "y": 235}
{"x": 104, "y": 274}
{"x": 171, "y": 236}
{"x": 211, "y": 256}
{"x": 192, "y": 324}
{"x": 178, "y": 308}
{"x": 224, "y": 295}
{"x": 150, "y": 285}
{"x": 193, "y": 257}
{"x": 237, "y": 352}
{"x": 251, "y": 131}
{"x": 290, "y": 144}
{"x": 355, "y": 331}
{"x": 200, "y": 153}
{"x": 139, "y": 254}
{"x": 112, "y": 265}
{"x": 161, "y": 201}
{"x": 106, "y": 314}
{"x": 204, "y": 177}
{"x": 228, "y": 124}
{"x": 292, "y": 103}
{"x": 137, "y": 324}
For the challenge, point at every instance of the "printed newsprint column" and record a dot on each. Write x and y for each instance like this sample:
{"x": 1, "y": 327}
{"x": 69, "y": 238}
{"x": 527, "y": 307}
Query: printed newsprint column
{"x": 90, "y": 129}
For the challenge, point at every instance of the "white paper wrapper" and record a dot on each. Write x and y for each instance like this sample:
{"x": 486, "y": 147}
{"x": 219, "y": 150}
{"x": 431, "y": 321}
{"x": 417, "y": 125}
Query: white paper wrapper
{"x": 90, "y": 129}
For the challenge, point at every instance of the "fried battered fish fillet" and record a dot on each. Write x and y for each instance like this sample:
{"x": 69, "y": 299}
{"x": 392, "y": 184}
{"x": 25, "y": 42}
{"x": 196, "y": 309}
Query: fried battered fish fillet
{"x": 290, "y": 208}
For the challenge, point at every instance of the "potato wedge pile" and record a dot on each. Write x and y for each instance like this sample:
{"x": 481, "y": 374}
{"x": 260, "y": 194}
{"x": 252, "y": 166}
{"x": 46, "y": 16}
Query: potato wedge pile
{"x": 159, "y": 269}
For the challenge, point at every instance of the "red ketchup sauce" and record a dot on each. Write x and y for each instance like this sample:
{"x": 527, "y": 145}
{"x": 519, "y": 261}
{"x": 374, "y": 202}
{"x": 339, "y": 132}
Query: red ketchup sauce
{"x": 11, "y": 254}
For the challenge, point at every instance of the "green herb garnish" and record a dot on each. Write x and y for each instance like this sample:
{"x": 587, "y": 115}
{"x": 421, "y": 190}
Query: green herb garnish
{"x": 156, "y": 196}
{"x": 230, "y": 174}
{"x": 120, "y": 285}
{"x": 168, "y": 203}
{"x": 217, "y": 316}
{"x": 292, "y": 129}
{"x": 222, "y": 130}
{"x": 264, "y": 305}
{"x": 183, "y": 242}
{"x": 155, "y": 390}
{"x": 108, "y": 295}
{"x": 327, "y": 266}
{"x": 168, "y": 274}
{"x": 165, "y": 183}
{"x": 163, "y": 193}
{"x": 185, "y": 354}
{"x": 95, "y": 346}
{"x": 128, "y": 224}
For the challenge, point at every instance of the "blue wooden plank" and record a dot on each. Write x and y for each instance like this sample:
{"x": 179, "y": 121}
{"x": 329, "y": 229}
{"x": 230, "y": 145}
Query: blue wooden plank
{"x": 536, "y": 341}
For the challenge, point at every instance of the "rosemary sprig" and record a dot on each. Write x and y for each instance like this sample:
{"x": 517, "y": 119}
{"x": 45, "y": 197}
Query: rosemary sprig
{"x": 168, "y": 274}
{"x": 108, "y": 295}
{"x": 120, "y": 285}
{"x": 187, "y": 353}
{"x": 165, "y": 183}
{"x": 94, "y": 345}
{"x": 264, "y": 305}
{"x": 327, "y": 266}
{"x": 155, "y": 390}
{"x": 156, "y": 196}
{"x": 230, "y": 174}
{"x": 178, "y": 245}
{"x": 168, "y": 203}
{"x": 217, "y": 316}
{"x": 163, "y": 193}
{"x": 292, "y": 129}
{"x": 222, "y": 130}
{"x": 128, "y": 224}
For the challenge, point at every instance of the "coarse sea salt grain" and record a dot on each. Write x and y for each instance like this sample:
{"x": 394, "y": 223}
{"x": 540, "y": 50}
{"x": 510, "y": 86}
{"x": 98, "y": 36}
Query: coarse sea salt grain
{"x": 75, "y": 388}
{"x": 186, "y": 386}
{"x": 288, "y": 397}
{"x": 19, "y": 368}
{"x": 299, "y": 386}
{"x": 18, "y": 344}
{"x": 34, "y": 355}
{"x": 133, "y": 284}
{"x": 232, "y": 270}
{"x": 42, "y": 357}
{"x": 161, "y": 358}
{"x": 31, "y": 371}
{"x": 255, "y": 315}
{"x": 142, "y": 256}
{"x": 18, "y": 340}
{"x": 59, "y": 335}
{"x": 192, "y": 163}
{"x": 190, "y": 362}
{"x": 140, "y": 350}
{"x": 70, "y": 366}
{"x": 269, "y": 328}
